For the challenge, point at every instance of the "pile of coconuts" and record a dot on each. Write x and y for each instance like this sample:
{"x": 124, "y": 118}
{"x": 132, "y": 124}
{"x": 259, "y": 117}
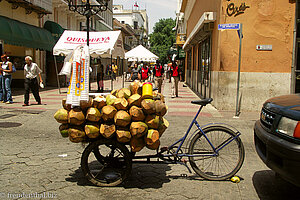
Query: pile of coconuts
{"x": 123, "y": 115}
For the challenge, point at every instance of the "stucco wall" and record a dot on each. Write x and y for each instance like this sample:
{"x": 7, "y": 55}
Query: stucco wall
{"x": 255, "y": 89}
{"x": 266, "y": 22}
{"x": 18, "y": 14}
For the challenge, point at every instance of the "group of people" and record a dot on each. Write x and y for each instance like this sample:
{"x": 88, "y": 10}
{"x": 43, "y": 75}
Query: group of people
{"x": 145, "y": 73}
{"x": 31, "y": 72}
{"x": 111, "y": 71}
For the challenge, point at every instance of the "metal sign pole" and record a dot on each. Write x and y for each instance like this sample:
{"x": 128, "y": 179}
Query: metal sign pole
{"x": 237, "y": 112}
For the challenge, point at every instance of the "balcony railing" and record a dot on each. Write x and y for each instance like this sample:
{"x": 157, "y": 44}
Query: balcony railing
{"x": 38, "y": 6}
{"x": 180, "y": 38}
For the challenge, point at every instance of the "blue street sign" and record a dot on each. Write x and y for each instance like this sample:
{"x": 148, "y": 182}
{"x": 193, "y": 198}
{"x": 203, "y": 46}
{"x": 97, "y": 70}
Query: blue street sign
{"x": 229, "y": 27}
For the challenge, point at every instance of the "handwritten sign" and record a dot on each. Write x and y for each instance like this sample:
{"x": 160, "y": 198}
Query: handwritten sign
{"x": 236, "y": 10}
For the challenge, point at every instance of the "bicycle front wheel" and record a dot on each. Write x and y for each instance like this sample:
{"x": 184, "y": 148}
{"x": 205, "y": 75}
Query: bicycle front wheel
{"x": 218, "y": 164}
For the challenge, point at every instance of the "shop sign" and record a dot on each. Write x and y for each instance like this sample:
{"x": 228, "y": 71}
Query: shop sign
{"x": 235, "y": 10}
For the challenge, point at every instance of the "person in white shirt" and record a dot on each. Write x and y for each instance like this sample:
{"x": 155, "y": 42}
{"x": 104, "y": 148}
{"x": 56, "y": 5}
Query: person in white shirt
{"x": 6, "y": 70}
{"x": 31, "y": 72}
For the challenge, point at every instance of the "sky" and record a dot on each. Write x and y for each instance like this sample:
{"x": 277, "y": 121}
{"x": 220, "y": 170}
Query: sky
{"x": 156, "y": 9}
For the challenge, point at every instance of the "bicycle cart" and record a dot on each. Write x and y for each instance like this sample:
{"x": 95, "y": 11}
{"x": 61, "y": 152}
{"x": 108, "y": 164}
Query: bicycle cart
{"x": 215, "y": 152}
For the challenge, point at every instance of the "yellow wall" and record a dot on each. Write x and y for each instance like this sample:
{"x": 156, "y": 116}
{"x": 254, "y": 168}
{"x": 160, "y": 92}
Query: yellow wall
{"x": 264, "y": 23}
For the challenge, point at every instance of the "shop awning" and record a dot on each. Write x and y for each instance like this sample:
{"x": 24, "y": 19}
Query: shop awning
{"x": 140, "y": 53}
{"x": 101, "y": 44}
{"x": 54, "y": 28}
{"x": 21, "y": 34}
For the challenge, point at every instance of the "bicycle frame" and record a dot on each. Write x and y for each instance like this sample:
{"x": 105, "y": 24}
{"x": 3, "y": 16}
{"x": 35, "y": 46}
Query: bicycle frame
{"x": 182, "y": 140}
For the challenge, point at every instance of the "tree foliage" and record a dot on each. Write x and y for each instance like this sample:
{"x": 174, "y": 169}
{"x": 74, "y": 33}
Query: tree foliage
{"x": 162, "y": 38}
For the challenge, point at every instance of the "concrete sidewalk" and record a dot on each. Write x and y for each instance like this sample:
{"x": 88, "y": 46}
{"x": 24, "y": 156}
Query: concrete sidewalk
{"x": 180, "y": 106}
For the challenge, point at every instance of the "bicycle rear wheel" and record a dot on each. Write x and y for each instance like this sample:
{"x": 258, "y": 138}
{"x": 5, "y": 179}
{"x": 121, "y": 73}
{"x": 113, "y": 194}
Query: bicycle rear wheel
{"x": 106, "y": 162}
{"x": 228, "y": 160}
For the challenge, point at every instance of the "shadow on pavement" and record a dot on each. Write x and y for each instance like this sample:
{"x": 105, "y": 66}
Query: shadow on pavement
{"x": 268, "y": 185}
{"x": 142, "y": 176}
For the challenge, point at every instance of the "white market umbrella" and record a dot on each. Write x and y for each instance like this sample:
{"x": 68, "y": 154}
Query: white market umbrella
{"x": 140, "y": 53}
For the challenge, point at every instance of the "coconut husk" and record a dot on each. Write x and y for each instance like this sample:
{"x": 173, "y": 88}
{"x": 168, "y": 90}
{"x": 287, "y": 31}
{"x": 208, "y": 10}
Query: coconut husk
{"x": 123, "y": 136}
{"x": 92, "y": 130}
{"x": 152, "y": 121}
{"x": 124, "y": 92}
{"x": 61, "y": 116}
{"x": 121, "y": 104}
{"x": 86, "y": 104}
{"x": 152, "y": 137}
{"x": 160, "y": 108}
{"x": 108, "y": 112}
{"x": 76, "y": 134}
{"x": 66, "y": 106}
{"x": 158, "y": 96}
{"x": 110, "y": 99}
{"x": 107, "y": 130}
{"x": 136, "y": 88}
{"x": 163, "y": 125}
{"x": 114, "y": 92}
{"x": 64, "y": 129}
{"x": 99, "y": 102}
{"x": 93, "y": 114}
{"x": 76, "y": 117}
{"x": 148, "y": 106}
{"x": 136, "y": 113}
{"x": 138, "y": 129}
{"x": 137, "y": 144}
{"x": 153, "y": 146}
{"x": 135, "y": 100}
{"x": 122, "y": 118}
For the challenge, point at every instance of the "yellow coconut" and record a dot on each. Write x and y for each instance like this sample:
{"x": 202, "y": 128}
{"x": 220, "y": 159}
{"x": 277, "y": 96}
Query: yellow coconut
{"x": 135, "y": 100}
{"x": 93, "y": 114}
{"x": 137, "y": 144}
{"x": 138, "y": 129}
{"x": 76, "y": 117}
{"x": 148, "y": 106}
{"x": 124, "y": 92}
{"x": 99, "y": 102}
{"x": 107, "y": 130}
{"x": 108, "y": 112}
{"x": 136, "y": 113}
{"x": 152, "y": 121}
{"x": 122, "y": 118}
{"x": 123, "y": 136}
{"x": 121, "y": 104}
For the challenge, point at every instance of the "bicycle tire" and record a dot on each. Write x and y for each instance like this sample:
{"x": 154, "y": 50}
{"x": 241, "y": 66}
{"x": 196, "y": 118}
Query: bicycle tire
{"x": 216, "y": 135}
{"x": 113, "y": 168}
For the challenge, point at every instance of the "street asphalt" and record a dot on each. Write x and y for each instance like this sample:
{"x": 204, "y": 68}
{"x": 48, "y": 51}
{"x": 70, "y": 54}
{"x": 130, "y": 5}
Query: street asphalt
{"x": 37, "y": 163}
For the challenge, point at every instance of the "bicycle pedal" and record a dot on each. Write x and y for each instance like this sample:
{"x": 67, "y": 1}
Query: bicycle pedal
{"x": 184, "y": 160}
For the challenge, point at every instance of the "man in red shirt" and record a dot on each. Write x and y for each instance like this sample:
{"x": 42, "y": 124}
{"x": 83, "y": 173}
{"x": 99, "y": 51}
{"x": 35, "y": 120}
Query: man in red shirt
{"x": 174, "y": 78}
{"x": 144, "y": 72}
{"x": 158, "y": 73}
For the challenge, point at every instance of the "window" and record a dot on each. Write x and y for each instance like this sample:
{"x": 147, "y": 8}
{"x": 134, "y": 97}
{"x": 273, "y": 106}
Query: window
{"x": 135, "y": 25}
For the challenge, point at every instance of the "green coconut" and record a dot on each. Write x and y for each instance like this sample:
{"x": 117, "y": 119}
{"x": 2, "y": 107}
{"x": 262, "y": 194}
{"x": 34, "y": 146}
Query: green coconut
{"x": 152, "y": 121}
{"x": 64, "y": 129}
{"x": 92, "y": 130}
{"x": 110, "y": 99}
{"x": 124, "y": 92}
{"x": 61, "y": 116}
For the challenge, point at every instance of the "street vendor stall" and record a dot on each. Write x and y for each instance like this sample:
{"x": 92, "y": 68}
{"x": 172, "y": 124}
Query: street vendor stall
{"x": 106, "y": 44}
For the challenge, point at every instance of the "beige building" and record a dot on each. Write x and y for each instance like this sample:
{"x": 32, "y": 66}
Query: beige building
{"x": 32, "y": 27}
{"x": 268, "y": 55}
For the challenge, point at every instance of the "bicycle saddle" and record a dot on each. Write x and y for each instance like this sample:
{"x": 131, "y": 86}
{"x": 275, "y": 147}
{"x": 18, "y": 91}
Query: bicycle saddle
{"x": 202, "y": 102}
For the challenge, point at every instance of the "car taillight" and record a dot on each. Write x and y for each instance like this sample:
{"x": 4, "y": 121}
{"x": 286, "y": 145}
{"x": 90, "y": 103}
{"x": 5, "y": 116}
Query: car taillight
{"x": 297, "y": 131}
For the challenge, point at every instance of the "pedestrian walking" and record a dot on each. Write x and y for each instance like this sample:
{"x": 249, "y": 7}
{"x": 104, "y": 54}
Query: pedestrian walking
{"x": 174, "y": 71}
{"x": 114, "y": 70}
{"x": 134, "y": 73}
{"x": 6, "y": 69}
{"x": 1, "y": 85}
{"x": 158, "y": 73}
{"x": 100, "y": 76}
{"x": 144, "y": 73}
{"x": 32, "y": 71}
